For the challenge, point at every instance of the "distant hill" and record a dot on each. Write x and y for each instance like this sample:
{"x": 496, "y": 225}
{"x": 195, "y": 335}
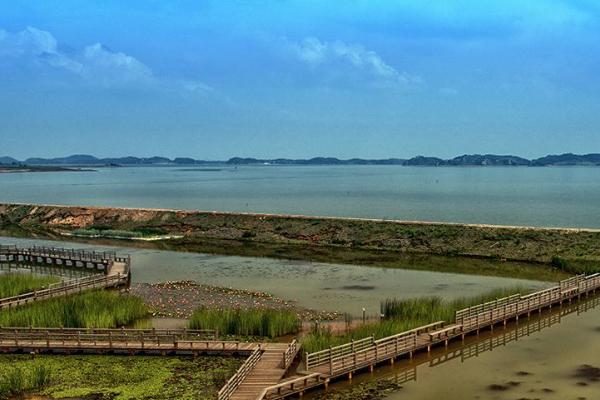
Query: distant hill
{"x": 488, "y": 159}
{"x": 76, "y": 159}
{"x": 425, "y": 161}
{"x": 464, "y": 160}
{"x": 568, "y": 159}
{"x": 8, "y": 160}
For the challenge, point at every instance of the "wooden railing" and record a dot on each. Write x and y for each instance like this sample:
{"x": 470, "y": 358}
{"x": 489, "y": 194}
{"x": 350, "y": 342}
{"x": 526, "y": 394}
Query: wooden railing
{"x": 78, "y": 337}
{"x": 359, "y": 350}
{"x": 290, "y": 386}
{"x": 65, "y": 288}
{"x": 217, "y": 345}
{"x": 71, "y": 254}
{"x": 481, "y": 308}
{"x": 367, "y": 351}
{"x": 571, "y": 282}
{"x": 132, "y": 332}
{"x": 236, "y": 380}
{"x": 382, "y": 349}
{"x": 290, "y": 353}
{"x": 566, "y": 289}
{"x": 312, "y": 360}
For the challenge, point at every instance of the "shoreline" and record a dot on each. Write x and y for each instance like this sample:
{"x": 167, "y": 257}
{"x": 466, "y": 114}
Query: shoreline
{"x": 313, "y": 238}
{"x": 312, "y": 217}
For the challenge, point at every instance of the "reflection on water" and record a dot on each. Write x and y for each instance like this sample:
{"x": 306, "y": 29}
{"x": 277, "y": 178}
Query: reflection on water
{"x": 549, "y": 356}
{"x": 61, "y": 272}
{"x": 320, "y": 286}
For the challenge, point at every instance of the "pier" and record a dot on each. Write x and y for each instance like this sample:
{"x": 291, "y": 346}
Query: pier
{"x": 110, "y": 271}
{"x": 100, "y": 261}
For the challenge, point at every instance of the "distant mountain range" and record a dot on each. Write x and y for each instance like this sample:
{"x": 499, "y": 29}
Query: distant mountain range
{"x": 464, "y": 160}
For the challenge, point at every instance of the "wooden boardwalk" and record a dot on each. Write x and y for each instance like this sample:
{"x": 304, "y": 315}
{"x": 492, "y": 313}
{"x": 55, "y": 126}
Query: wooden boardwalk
{"x": 265, "y": 367}
{"x": 269, "y": 371}
{"x": 323, "y": 366}
{"x": 116, "y": 271}
{"x": 127, "y": 341}
{"x": 102, "y": 261}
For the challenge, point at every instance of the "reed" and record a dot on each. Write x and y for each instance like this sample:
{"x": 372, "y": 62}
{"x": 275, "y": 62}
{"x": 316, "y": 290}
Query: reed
{"x": 14, "y": 284}
{"x": 400, "y": 315}
{"x": 16, "y": 381}
{"x": 94, "y": 309}
{"x": 246, "y": 322}
{"x": 434, "y": 309}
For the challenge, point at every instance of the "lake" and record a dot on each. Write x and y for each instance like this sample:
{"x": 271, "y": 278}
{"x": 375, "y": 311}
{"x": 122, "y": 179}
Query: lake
{"x": 555, "y": 196}
{"x": 319, "y": 286}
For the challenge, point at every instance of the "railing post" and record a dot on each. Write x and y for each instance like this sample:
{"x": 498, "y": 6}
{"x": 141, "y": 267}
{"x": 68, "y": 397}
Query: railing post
{"x": 330, "y": 361}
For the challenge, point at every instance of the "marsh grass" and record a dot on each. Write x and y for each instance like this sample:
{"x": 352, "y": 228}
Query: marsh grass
{"x": 400, "y": 315}
{"x": 95, "y": 309}
{"x": 108, "y": 233}
{"x": 246, "y": 322}
{"x": 16, "y": 381}
{"x": 434, "y": 308}
{"x": 14, "y": 284}
{"x": 136, "y": 233}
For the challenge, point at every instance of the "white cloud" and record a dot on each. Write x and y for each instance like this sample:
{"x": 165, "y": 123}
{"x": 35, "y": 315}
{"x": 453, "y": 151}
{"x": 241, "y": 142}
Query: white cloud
{"x": 315, "y": 53}
{"x": 35, "y": 45}
{"x": 102, "y": 63}
{"x": 95, "y": 64}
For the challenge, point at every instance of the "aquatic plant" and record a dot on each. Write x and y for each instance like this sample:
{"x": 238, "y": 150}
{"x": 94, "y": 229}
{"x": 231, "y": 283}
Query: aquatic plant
{"x": 15, "y": 380}
{"x": 14, "y": 284}
{"x": 116, "y": 376}
{"x": 400, "y": 315}
{"x": 434, "y": 308}
{"x": 95, "y": 309}
{"x": 246, "y": 322}
{"x": 136, "y": 233}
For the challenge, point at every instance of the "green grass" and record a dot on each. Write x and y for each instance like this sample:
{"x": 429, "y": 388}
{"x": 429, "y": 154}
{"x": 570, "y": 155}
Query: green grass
{"x": 435, "y": 309}
{"x": 247, "y": 322}
{"x": 96, "y": 309}
{"x": 115, "y": 377}
{"x": 16, "y": 381}
{"x": 136, "y": 233}
{"x": 14, "y": 284}
{"x": 401, "y": 316}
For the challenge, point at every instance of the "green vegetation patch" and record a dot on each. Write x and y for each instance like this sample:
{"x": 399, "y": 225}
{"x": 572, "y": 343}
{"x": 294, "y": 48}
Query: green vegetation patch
{"x": 115, "y": 377}
{"x": 13, "y": 284}
{"x": 403, "y": 315}
{"x": 119, "y": 233}
{"x": 94, "y": 309}
{"x": 246, "y": 322}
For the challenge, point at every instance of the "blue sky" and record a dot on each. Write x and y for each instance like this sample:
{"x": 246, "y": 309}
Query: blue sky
{"x": 215, "y": 79}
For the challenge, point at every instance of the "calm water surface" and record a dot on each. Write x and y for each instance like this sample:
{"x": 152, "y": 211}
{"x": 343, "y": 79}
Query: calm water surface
{"x": 568, "y": 196}
{"x": 320, "y": 286}
{"x": 546, "y": 361}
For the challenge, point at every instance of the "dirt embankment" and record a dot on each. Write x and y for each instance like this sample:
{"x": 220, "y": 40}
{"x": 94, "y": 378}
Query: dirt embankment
{"x": 312, "y": 233}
